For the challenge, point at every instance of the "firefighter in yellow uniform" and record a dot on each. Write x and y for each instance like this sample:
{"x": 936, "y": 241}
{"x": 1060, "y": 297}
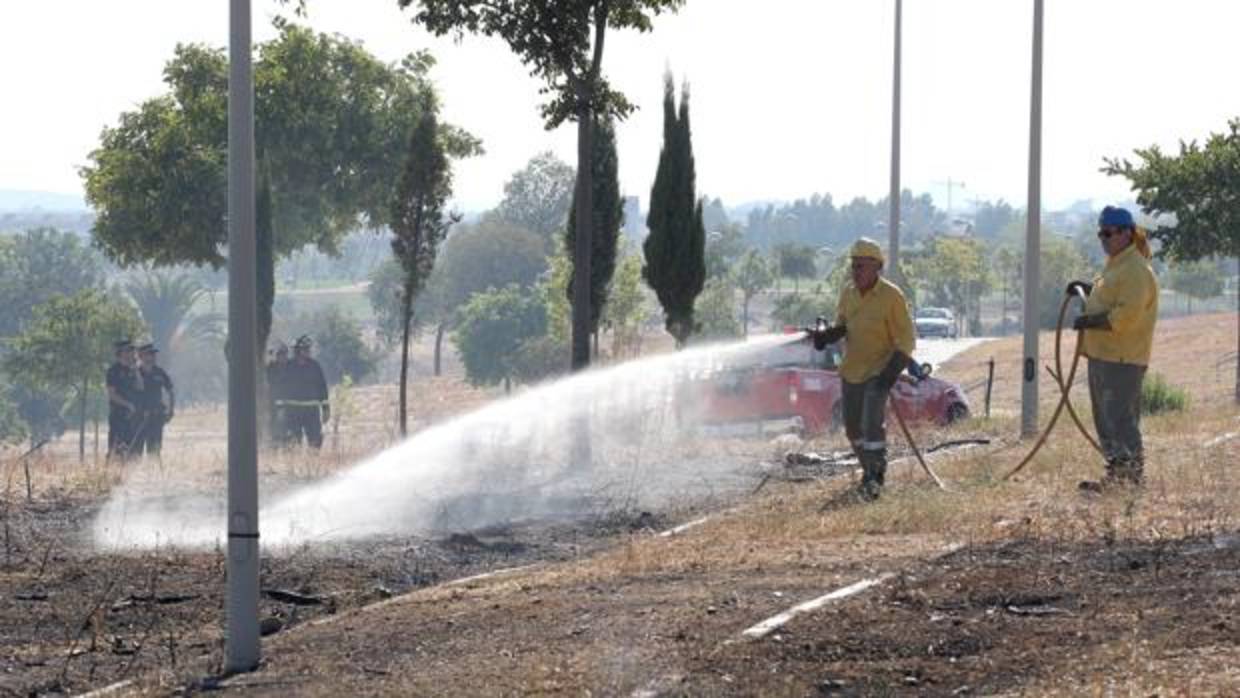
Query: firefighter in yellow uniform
{"x": 1118, "y": 324}
{"x": 875, "y": 318}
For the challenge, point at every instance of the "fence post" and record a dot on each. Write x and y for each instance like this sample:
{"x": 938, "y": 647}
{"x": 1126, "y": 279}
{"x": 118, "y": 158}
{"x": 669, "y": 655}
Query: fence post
{"x": 990, "y": 379}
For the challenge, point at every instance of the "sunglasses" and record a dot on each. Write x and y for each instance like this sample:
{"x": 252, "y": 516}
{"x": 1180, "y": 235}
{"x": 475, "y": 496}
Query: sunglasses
{"x": 1107, "y": 233}
{"x": 858, "y": 266}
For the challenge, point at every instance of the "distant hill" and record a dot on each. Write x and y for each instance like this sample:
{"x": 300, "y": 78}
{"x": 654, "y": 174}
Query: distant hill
{"x": 20, "y": 200}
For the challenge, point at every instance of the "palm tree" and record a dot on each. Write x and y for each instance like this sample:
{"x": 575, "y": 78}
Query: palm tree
{"x": 165, "y": 300}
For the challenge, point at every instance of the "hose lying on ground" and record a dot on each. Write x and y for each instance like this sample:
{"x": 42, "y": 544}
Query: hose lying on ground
{"x": 1065, "y": 386}
{"x": 916, "y": 451}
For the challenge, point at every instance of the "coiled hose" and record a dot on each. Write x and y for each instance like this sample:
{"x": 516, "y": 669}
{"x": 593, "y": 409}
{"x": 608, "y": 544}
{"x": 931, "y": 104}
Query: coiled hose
{"x": 1065, "y": 387}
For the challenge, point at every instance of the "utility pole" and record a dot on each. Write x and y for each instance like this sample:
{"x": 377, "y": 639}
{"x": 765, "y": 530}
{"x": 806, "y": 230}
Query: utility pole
{"x": 242, "y": 650}
{"x": 1033, "y": 239}
{"x": 893, "y": 198}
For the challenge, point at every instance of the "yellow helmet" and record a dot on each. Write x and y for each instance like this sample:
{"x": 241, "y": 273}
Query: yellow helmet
{"x": 865, "y": 247}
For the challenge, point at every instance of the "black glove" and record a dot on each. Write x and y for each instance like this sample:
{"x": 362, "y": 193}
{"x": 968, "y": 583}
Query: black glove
{"x": 824, "y": 334}
{"x": 1092, "y": 321}
{"x": 1083, "y": 286}
{"x": 915, "y": 370}
{"x": 887, "y": 377}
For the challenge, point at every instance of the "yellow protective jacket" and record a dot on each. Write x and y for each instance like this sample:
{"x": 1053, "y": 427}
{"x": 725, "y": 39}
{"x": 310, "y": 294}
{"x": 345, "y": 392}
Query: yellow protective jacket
{"x": 878, "y": 324}
{"x": 1127, "y": 292}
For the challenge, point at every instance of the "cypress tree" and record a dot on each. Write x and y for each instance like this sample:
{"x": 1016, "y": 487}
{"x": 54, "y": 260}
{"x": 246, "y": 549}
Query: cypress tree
{"x": 675, "y": 249}
{"x": 608, "y": 219}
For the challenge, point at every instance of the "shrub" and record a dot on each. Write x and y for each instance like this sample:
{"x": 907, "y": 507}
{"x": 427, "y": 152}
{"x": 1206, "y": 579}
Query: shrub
{"x": 1159, "y": 396}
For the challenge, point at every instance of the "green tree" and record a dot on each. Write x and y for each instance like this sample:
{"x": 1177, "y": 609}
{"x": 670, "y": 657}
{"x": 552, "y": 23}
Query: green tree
{"x": 608, "y": 219}
{"x": 36, "y": 266}
{"x": 12, "y": 430}
{"x": 538, "y": 197}
{"x": 562, "y": 42}
{"x": 384, "y": 294}
{"x": 1193, "y": 194}
{"x": 40, "y": 409}
{"x": 68, "y": 345}
{"x": 473, "y": 258}
{"x": 991, "y": 218}
{"x": 956, "y": 275}
{"x": 491, "y": 330}
{"x": 800, "y": 309}
{"x": 556, "y": 303}
{"x": 675, "y": 248}
{"x": 716, "y": 311}
{"x": 329, "y": 117}
{"x": 419, "y": 223}
{"x": 1200, "y": 279}
{"x": 1008, "y": 270}
{"x": 795, "y": 261}
{"x": 1061, "y": 262}
{"x": 626, "y": 311}
{"x": 752, "y": 275}
{"x": 723, "y": 247}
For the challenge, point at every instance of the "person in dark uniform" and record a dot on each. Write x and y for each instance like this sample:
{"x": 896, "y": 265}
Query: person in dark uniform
{"x": 277, "y": 393}
{"x": 156, "y": 412}
{"x": 124, "y": 384}
{"x": 304, "y": 402}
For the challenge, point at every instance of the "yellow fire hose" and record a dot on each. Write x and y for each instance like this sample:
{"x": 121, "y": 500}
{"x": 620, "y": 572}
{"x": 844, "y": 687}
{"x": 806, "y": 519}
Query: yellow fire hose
{"x": 916, "y": 451}
{"x": 1065, "y": 386}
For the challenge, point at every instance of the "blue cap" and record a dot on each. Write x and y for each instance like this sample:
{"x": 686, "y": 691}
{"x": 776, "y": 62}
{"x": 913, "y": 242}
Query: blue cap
{"x": 1116, "y": 217}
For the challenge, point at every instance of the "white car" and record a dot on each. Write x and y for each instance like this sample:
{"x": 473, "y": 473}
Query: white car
{"x": 935, "y": 322}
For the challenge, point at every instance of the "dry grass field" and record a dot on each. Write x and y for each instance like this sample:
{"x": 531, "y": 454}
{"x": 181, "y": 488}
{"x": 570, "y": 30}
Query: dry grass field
{"x": 993, "y": 587}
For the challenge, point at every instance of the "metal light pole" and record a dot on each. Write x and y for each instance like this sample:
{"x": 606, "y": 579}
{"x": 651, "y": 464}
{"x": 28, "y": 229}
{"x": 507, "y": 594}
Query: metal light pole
{"x": 241, "y": 645}
{"x": 893, "y": 198}
{"x": 1033, "y": 239}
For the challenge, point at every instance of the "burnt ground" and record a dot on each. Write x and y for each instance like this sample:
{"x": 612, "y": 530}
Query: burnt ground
{"x": 1017, "y": 616}
{"x": 73, "y": 619}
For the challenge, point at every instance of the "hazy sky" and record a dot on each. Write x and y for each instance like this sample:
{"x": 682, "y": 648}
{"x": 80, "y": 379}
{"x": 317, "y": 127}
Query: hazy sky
{"x": 789, "y": 97}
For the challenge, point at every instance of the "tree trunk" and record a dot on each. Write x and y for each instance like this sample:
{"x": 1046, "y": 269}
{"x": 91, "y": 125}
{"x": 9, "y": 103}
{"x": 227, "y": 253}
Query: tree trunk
{"x": 745, "y": 317}
{"x": 406, "y": 322}
{"x": 439, "y": 332}
{"x": 583, "y": 239}
{"x": 82, "y": 425}
{"x": 1238, "y": 330}
{"x": 265, "y": 288}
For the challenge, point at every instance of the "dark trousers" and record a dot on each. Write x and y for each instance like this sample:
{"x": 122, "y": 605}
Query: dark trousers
{"x": 1115, "y": 393}
{"x": 150, "y": 438}
{"x": 865, "y": 411}
{"x": 303, "y": 420}
{"x": 120, "y": 434}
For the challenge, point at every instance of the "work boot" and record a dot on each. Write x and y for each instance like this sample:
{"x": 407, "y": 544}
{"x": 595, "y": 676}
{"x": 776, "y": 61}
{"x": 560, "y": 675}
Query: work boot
{"x": 1121, "y": 472}
{"x": 1128, "y": 472}
{"x": 873, "y": 474}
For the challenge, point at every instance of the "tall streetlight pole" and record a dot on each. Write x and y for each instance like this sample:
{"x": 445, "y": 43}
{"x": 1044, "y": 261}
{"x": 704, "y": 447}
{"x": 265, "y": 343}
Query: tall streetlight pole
{"x": 893, "y": 197}
{"x": 242, "y": 651}
{"x": 1033, "y": 239}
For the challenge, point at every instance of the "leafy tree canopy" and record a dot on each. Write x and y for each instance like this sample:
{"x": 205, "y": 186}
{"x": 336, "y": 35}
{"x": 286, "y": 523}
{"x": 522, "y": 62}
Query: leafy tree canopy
{"x": 1196, "y": 194}
{"x": 329, "y": 117}
{"x": 538, "y": 196}
{"x": 38, "y": 265}
{"x": 553, "y": 39}
{"x": 493, "y": 327}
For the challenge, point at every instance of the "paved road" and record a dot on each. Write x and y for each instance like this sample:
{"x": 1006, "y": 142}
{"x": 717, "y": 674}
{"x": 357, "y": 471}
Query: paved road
{"x": 937, "y": 351}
